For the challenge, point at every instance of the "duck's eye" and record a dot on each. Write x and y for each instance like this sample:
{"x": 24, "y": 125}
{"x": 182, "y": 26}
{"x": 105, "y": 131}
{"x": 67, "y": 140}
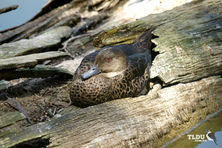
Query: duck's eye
{"x": 108, "y": 59}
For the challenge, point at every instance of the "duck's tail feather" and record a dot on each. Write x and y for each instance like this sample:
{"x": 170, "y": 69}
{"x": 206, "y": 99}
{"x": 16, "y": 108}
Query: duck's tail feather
{"x": 144, "y": 40}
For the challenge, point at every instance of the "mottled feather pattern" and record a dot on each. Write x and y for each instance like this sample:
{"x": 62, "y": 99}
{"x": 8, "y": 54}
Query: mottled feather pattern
{"x": 130, "y": 83}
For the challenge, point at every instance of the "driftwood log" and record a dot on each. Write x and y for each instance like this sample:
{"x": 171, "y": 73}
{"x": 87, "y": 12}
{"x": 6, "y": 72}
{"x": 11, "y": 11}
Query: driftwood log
{"x": 47, "y": 40}
{"x": 126, "y": 122}
{"x": 186, "y": 73}
{"x": 28, "y": 66}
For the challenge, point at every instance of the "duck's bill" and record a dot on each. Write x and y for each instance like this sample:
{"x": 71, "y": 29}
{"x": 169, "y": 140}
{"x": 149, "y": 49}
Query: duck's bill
{"x": 94, "y": 70}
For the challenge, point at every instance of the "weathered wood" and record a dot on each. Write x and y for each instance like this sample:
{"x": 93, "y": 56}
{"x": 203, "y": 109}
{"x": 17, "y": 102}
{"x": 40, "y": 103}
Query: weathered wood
{"x": 10, "y": 118}
{"x": 79, "y": 45}
{"x": 35, "y": 26}
{"x": 4, "y": 85}
{"x": 189, "y": 41}
{"x": 17, "y": 105}
{"x": 88, "y": 24}
{"x": 99, "y": 5}
{"x": 37, "y": 44}
{"x": 7, "y": 9}
{"x": 69, "y": 21}
{"x": 108, "y": 5}
{"x": 71, "y": 12}
{"x": 39, "y": 71}
{"x": 129, "y": 121}
{"x": 29, "y": 60}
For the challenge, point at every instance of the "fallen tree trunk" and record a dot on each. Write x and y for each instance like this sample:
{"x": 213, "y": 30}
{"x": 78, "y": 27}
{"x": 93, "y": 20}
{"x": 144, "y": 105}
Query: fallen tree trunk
{"x": 189, "y": 65}
{"x": 29, "y": 60}
{"x": 126, "y": 122}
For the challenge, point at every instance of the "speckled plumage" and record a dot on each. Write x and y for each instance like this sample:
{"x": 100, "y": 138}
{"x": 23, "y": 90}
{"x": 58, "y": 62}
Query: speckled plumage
{"x": 131, "y": 79}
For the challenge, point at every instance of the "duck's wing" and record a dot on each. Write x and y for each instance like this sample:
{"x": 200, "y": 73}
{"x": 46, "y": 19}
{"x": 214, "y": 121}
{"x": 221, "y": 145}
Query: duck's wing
{"x": 139, "y": 57}
{"x": 138, "y": 65}
{"x": 127, "y": 49}
{"x": 143, "y": 42}
{"x": 85, "y": 65}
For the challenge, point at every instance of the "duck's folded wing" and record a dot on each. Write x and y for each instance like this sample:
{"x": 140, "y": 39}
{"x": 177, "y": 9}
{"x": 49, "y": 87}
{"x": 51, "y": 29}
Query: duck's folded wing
{"x": 138, "y": 65}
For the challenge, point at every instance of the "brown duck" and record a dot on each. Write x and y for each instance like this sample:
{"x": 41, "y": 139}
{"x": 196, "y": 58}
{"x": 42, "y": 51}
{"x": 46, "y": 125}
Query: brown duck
{"x": 113, "y": 72}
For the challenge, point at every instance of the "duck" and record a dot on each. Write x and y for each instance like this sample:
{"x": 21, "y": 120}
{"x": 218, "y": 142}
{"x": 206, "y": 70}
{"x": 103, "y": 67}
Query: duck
{"x": 113, "y": 72}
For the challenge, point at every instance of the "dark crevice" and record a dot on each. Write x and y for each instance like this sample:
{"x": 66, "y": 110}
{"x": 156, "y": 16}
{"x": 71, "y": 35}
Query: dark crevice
{"x": 157, "y": 80}
{"x": 169, "y": 85}
{"x": 35, "y": 143}
{"x": 154, "y": 53}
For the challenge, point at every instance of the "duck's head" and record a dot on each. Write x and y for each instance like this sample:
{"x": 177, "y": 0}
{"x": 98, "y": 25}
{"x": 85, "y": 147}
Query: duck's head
{"x": 109, "y": 62}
